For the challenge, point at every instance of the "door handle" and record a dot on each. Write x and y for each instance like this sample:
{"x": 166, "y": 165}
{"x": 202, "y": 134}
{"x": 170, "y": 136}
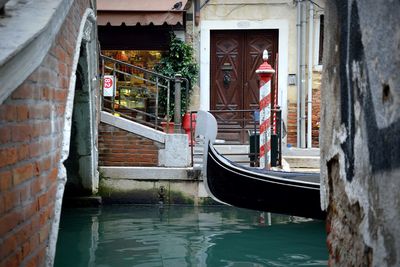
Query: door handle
{"x": 227, "y": 79}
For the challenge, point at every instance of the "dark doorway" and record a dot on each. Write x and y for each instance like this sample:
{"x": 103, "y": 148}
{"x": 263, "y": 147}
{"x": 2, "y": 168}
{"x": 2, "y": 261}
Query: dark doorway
{"x": 235, "y": 56}
{"x": 79, "y": 164}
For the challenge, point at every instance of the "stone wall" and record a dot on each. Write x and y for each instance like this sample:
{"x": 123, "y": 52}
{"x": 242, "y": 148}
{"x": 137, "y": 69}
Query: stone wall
{"x": 122, "y": 148}
{"x": 31, "y": 135}
{"x": 360, "y": 132}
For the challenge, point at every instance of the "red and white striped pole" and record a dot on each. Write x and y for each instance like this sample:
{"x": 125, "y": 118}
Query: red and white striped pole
{"x": 265, "y": 71}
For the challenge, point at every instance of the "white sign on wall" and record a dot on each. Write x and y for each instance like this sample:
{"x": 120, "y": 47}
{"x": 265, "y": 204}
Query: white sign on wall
{"x": 108, "y": 85}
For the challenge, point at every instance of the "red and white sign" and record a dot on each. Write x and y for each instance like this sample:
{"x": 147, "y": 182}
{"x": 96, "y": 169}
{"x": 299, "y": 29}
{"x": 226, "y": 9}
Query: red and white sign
{"x": 108, "y": 85}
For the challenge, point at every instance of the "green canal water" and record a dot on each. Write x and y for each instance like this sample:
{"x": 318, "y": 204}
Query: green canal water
{"x": 176, "y": 236}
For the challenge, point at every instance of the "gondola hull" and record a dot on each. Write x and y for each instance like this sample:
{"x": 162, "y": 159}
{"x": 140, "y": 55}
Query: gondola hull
{"x": 288, "y": 193}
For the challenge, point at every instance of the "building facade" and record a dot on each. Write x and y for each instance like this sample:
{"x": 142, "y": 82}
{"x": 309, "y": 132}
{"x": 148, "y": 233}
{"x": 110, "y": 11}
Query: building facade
{"x": 234, "y": 34}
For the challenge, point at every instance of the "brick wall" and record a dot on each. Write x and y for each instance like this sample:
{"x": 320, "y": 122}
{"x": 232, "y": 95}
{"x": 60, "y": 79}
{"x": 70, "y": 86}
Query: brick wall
{"x": 316, "y": 109}
{"x": 121, "y": 148}
{"x": 292, "y": 124}
{"x": 31, "y": 126}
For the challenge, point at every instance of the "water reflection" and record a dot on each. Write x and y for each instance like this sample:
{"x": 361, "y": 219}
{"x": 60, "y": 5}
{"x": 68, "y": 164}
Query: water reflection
{"x": 186, "y": 236}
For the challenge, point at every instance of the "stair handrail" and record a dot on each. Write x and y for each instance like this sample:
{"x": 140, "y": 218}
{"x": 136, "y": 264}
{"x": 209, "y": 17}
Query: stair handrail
{"x": 158, "y": 80}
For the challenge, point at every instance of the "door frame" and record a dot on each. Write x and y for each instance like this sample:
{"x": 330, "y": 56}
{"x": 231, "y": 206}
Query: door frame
{"x": 205, "y": 49}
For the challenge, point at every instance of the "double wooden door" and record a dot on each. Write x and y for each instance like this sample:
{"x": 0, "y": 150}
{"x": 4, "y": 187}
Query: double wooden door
{"x": 235, "y": 56}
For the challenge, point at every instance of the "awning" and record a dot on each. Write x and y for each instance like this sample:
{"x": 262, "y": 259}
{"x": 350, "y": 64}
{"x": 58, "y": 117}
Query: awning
{"x": 143, "y": 12}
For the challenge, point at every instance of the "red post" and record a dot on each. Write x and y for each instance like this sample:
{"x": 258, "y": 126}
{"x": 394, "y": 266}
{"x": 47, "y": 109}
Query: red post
{"x": 265, "y": 72}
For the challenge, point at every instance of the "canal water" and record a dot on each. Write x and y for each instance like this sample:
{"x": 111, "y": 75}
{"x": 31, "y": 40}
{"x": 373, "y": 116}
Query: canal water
{"x": 176, "y": 236}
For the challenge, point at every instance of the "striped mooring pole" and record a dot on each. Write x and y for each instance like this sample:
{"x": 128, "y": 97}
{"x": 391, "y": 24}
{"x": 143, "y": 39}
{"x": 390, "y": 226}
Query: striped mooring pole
{"x": 265, "y": 72}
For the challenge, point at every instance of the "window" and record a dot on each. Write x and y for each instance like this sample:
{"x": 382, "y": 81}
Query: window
{"x": 321, "y": 39}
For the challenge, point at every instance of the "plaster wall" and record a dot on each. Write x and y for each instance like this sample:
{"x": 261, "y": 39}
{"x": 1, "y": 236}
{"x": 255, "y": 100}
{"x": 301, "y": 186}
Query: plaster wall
{"x": 360, "y": 132}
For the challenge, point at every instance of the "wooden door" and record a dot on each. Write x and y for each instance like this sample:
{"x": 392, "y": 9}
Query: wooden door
{"x": 235, "y": 56}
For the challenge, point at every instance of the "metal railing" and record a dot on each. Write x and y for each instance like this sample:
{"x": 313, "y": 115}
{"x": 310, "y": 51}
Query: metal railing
{"x": 137, "y": 93}
{"x": 253, "y": 135}
{"x": 137, "y": 96}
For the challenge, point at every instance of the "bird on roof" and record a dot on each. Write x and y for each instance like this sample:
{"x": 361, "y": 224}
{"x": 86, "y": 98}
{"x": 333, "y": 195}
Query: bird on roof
{"x": 177, "y": 5}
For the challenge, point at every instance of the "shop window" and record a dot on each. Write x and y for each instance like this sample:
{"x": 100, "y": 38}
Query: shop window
{"x": 142, "y": 58}
{"x": 135, "y": 90}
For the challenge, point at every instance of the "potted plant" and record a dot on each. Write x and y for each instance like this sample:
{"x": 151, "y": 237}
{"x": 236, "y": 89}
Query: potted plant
{"x": 178, "y": 59}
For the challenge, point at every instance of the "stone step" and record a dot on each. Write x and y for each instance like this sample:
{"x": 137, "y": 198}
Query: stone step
{"x": 309, "y": 162}
{"x": 304, "y": 170}
{"x": 149, "y": 173}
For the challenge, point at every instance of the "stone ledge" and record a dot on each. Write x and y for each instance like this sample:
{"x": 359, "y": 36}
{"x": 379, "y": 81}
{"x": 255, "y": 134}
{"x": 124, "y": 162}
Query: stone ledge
{"x": 150, "y": 173}
{"x": 24, "y": 45}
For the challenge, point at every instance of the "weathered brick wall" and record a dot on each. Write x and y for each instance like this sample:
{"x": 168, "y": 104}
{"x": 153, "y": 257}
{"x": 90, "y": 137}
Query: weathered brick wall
{"x": 120, "y": 148}
{"x": 316, "y": 107}
{"x": 316, "y": 110}
{"x": 31, "y": 126}
{"x": 292, "y": 124}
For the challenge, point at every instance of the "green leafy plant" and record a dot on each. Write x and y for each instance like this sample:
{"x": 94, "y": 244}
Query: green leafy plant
{"x": 178, "y": 59}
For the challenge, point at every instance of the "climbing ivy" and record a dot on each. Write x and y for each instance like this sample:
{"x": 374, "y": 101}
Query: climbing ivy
{"x": 178, "y": 59}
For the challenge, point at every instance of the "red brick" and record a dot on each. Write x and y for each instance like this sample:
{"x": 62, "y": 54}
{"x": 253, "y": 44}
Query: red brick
{"x": 25, "y": 193}
{"x": 39, "y": 112}
{"x": 44, "y": 164}
{"x": 2, "y": 205}
{"x": 13, "y": 260}
{"x": 26, "y": 249}
{"x": 62, "y": 69}
{"x": 23, "y": 152}
{"x": 38, "y": 185}
{"x": 60, "y": 53}
{"x": 21, "y": 132}
{"x": 60, "y": 110}
{"x": 41, "y": 129}
{"x": 5, "y": 180}
{"x": 22, "y": 173}
{"x": 11, "y": 199}
{"x": 40, "y": 148}
{"x": 64, "y": 83}
{"x": 8, "y": 246}
{"x": 9, "y": 221}
{"x": 35, "y": 149}
{"x": 44, "y": 233}
{"x": 22, "y": 113}
{"x": 34, "y": 240}
{"x": 34, "y": 222}
{"x": 32, "y": 262}
{"x": 53, "y": 175}
{"x": 47, "y": 93}
{"x": 41, "y": 256}
{"x": 60, "y": 95}
{"x": 8, "y": 112}
{"x": 43, "y": 200}
{"x": 5, "y": 134}
{"x": 30, "y": 209}
{"x": 8, "y": 156}
{"x": 26, "y": 91}
{"x": 23, "y": 233}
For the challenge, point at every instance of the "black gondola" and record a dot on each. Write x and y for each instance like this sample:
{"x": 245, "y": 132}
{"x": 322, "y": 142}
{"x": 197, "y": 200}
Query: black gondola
{"x": 291, "y": 193}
